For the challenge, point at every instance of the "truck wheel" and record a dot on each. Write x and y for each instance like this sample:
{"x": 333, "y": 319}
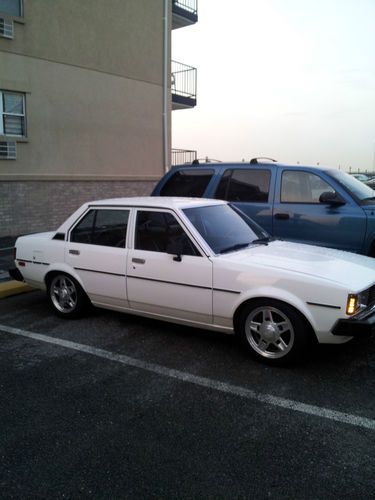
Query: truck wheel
{"x": 273, "y": 332}
{"x": 66, "y": 296}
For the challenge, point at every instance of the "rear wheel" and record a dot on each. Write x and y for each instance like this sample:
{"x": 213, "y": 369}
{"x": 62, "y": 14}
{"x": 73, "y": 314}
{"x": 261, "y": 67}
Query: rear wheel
{"x": 273, "y": 331}
{"x": 66, "y": 296}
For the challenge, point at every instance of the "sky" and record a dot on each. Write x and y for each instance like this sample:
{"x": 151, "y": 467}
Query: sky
{"x": 293, "y": 80}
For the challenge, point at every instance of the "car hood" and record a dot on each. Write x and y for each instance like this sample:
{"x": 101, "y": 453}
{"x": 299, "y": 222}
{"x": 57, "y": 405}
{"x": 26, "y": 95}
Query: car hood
{"x": 348, "y": 269}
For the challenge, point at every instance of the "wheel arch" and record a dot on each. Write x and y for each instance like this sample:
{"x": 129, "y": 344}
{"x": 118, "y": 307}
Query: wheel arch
{"x": 249, "y": 301}
{"x": 62, "y": 269}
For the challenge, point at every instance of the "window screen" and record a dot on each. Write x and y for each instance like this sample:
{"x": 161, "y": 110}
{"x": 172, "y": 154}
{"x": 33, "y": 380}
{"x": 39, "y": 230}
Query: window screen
{"x": 187, "y": 183}
{"x": 12, "y": 7}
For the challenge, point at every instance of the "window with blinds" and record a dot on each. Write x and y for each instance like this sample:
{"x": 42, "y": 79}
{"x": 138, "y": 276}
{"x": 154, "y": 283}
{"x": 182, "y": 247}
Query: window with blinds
{"x": 12, "y": 114}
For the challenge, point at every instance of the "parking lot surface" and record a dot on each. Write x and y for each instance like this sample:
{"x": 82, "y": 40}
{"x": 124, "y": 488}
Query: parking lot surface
{"x": 119, "y": 406}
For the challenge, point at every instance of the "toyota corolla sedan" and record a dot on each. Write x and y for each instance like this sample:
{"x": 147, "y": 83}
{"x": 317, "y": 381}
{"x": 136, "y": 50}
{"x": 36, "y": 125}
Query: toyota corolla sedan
{"x": 205, "y": 264}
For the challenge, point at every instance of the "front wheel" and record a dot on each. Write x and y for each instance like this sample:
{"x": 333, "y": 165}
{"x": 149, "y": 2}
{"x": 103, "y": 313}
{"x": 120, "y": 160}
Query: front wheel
{"x": 66, "y": 296}
{"x": 274, "y": 332}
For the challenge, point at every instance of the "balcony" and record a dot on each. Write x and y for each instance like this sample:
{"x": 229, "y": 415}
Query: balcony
{"x": 181, "y": 156}
{"x": 183, "y": 86}
{"x": 184, "y": 13}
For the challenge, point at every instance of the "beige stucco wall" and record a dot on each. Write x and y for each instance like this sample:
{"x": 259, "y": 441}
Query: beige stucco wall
{"x": 92, "y": 71}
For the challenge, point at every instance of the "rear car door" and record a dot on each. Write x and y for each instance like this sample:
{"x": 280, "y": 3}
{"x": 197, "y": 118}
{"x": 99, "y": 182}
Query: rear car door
{"x": 250, "y": 190}
{"x": 97, "y": 251}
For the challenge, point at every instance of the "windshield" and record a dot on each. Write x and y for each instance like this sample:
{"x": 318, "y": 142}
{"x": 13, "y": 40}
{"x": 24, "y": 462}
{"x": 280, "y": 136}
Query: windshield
{"x": 224, "y": 229}
{"x": 362, "y": 192}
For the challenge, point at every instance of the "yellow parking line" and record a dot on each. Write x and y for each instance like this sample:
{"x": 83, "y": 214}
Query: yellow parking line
{"x": 13, "y": 287}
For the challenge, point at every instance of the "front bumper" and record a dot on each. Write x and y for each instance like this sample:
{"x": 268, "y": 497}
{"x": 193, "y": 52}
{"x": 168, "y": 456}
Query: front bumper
{"x": 357, "y": 326}
{"x": 15, "y": 273}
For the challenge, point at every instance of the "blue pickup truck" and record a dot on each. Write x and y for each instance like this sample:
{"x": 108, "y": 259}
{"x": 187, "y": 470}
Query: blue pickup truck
{"x": 314, "y": 205}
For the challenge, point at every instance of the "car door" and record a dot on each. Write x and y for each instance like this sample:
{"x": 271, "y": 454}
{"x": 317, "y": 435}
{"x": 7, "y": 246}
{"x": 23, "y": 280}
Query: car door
{"x": 250, "y": 190}
{"x": 300, "y": 216}
{"x": 97, "y": 251}
{"x": 167, "y": 274}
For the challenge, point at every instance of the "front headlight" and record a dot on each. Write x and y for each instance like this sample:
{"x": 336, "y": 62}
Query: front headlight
{"x": 356, "y": 302}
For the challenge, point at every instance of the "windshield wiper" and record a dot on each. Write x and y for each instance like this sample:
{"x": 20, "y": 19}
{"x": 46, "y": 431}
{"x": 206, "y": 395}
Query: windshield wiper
{"x": 232, "y": 248}
{"x": 262, "y": 241}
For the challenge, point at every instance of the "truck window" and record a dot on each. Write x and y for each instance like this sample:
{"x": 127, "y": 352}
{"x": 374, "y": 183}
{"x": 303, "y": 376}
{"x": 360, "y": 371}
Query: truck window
{"x": 302, "y": 187}
{"x": 244, "y": 185}
{"x": 187, "y": 183}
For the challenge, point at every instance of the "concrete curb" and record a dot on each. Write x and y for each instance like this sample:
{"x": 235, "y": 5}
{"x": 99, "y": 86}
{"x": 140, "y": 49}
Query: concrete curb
{"x": 13, "y": 287}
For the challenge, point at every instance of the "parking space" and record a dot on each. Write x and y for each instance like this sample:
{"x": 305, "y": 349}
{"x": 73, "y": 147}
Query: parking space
{"x": 117, "y": 405}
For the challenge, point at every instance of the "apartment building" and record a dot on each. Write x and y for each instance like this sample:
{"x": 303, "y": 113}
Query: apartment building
{"x": 86, "y": 94}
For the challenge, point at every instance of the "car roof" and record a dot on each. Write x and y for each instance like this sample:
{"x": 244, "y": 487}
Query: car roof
{"x": 155, "y": 202}
{"x": 254, "y": 165}
{"x": 174, "y": 203}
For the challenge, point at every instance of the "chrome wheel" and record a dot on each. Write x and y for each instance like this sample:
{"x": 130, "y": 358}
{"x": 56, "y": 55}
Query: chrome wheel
{"x": 63, "y": 294}
{"x": 269, "y": 332}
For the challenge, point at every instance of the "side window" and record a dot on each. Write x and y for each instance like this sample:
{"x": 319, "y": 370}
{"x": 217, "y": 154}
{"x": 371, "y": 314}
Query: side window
{"x": 187, "y": 183}
{"x": 302, "y": 187}
{"x": 244, "y": 185}
{"x": 157, "y": 231}
{"x": 102, "y": 227}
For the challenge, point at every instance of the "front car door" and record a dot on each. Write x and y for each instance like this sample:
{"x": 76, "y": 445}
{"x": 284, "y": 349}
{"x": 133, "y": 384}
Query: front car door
{"x": 97, "y": 251}
{"x": 162, "y": 280}
{"x": 300, "y": 216}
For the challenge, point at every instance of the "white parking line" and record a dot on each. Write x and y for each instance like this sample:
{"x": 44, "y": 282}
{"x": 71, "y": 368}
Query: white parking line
{"x": 317, "y": 411}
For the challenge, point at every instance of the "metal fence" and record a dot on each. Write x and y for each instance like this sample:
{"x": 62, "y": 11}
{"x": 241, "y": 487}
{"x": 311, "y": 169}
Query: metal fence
{"x": 180, "y": 156}
{"x": 183, "y": 80}
{"x": 189, "y": 5}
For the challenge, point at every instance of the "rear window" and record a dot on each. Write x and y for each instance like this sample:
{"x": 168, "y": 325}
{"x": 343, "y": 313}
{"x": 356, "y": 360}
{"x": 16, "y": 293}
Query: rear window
{"x": 191, "y": 183}
{"x": 244, "y": 185}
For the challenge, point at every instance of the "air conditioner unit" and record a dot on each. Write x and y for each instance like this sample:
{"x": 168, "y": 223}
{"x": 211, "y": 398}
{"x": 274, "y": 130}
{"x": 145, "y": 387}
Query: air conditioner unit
{"x": 8, "y": 150}
{"x": 6, "y": 28}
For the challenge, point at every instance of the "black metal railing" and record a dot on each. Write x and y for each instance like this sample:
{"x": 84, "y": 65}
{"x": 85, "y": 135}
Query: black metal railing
{"x": 190, "y": 6}
{"x": 180, "y": 156}
{"x": 183, "y": 84}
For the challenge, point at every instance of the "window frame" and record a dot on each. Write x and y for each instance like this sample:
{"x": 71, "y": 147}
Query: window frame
{"x": 4, "y": 113}
{"x": 192, "y": 240}
{"x": 227, "y": 177}
{"x": 96, "y": 210}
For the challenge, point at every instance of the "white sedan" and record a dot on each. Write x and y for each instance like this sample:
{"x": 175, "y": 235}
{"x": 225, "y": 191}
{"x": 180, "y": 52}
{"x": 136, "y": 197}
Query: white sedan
{"x": 205, "y": 264}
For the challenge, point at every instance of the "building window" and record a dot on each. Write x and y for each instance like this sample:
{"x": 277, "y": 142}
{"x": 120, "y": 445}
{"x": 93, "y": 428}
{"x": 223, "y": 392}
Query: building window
{"x": 12, "y": 114}
{"x": 12, "y": 7}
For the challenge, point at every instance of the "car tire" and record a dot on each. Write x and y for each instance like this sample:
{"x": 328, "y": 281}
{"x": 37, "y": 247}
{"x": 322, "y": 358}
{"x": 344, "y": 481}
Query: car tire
{"x": 66, "y": 296}
{"x": 273, "y": 332}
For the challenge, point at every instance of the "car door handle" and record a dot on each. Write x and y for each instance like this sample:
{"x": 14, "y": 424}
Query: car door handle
{"x": 282, "y": 216}
{"x": 74, "y": 252}
{"x": 138, "y": 261}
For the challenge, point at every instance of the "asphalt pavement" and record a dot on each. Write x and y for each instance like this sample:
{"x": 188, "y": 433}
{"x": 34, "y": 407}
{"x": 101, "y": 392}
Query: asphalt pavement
{"x": 117, "y": 406}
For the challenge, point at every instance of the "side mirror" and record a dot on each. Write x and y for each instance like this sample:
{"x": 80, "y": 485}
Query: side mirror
{"x": 331, "y": 198}
{"x": 175, "y": 247}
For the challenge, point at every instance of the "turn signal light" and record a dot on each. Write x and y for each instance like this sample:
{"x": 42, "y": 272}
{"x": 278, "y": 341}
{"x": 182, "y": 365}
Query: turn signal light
{"x": 352, "y": 304}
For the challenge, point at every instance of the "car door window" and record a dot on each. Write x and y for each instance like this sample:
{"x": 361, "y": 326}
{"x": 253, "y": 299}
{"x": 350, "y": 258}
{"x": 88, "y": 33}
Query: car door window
{"x": 103, "y": 227}
{"x": 158, "y": 231}
{"x": 302, "y": 187}
{"x": 248, "y": 185}
{"x": 187, "y": 183}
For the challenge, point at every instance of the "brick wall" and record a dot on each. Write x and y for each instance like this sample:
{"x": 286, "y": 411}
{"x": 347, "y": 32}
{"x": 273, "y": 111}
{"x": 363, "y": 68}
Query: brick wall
{"x": 34, "y": 206}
